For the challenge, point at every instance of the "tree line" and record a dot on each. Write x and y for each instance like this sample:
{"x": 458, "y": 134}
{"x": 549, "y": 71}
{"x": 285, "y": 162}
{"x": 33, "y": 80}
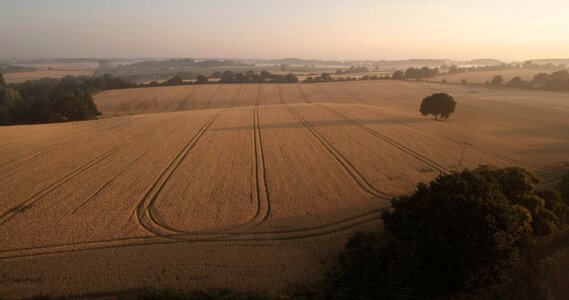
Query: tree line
{"x": 51, "y": 100}
{"x": 556, "y": 81}
{"x": 251, "y": 76}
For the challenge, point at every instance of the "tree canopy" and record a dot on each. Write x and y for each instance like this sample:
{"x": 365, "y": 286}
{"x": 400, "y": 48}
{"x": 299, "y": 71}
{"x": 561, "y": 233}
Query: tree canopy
{"x": 497, "y": 80}
{"x": 2, "y": 81}
{"x": 458, "y": 234}
{"x": 398, "y": 75}
{"x": 51, "y": 100}
{"x": 440, "y": 104}
{"x": 564, "y": 188}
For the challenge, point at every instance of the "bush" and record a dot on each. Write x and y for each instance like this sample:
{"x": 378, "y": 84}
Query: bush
{"x": 564, "y": 189}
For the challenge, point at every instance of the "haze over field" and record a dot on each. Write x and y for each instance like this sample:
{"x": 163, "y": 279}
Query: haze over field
{"x": 366, "y": 29}
{"x": 262, "y": 149}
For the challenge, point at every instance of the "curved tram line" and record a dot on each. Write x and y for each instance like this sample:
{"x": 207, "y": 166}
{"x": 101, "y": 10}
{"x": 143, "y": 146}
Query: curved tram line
{"x": 162, "y": 235}
{"x": 240, "y": 237}
{"x": 147, "y": 214}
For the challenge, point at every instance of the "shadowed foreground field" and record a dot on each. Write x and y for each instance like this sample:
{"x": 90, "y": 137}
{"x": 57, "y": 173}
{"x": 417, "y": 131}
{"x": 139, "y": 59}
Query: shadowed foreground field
{"x": 241, "y": 186}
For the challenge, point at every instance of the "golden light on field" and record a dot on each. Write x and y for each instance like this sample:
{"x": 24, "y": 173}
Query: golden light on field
{"x": 292, "y": 167}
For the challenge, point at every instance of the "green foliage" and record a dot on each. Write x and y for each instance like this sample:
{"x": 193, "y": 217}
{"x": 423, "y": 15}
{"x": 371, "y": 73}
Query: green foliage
{"x": 375, "y": 265}
{"x": 2, "y": 81}
{"x": 50, "y": 100}
{"x": 460, "y": 233}
{"x": 520, "y": 188}
{"x": 12, "y": 106}
{"x": 438, "y": 104}
{"x": 463, "y": 229}
{"x": 564, "y": 189}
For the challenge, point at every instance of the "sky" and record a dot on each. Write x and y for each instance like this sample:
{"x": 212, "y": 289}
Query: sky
{"x": 320, "y": 29}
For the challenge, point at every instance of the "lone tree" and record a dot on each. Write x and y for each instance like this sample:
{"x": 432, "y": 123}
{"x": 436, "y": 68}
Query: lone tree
{"x": 438, "y": 104}
{"x": 497, "y": 80}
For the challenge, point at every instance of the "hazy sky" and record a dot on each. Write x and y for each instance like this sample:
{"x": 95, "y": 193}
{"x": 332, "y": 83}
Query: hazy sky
{"x": 327, "y": 29}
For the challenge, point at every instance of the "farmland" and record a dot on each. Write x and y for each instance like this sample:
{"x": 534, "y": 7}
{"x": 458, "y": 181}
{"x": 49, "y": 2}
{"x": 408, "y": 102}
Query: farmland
{"x": 255, "y": 186}
{"x": 483, "y": 77}
{"x": 52, "y": 70}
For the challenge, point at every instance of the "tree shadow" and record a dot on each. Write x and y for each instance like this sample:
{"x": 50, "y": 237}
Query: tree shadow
{"x": 326, "y": 123}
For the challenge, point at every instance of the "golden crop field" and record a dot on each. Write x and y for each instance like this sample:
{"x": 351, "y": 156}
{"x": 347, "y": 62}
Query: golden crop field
{"x": 241, "y": 185}
{"x": 51, "y": 70}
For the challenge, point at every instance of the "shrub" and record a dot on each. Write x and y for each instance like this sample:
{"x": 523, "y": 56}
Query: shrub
{"x": 564, "y": 188}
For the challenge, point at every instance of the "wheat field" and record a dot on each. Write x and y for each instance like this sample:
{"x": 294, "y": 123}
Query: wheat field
{"x": 241, "y": 185}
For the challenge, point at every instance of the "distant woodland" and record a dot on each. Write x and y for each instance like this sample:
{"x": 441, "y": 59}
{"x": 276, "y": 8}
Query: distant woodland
{"x": 51, "y": 100}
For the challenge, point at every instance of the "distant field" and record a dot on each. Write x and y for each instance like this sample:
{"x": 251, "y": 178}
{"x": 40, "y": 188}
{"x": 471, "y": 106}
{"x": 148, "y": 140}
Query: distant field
{"x": 50, "y": 70}
{"x": 482, "y": 77}
{"x": 241, "y": 185}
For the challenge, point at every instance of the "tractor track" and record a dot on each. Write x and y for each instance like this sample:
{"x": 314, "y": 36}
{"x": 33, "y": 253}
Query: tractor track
{"x": 102, "y": 187}
{"x": 28, "y": 203}
{"x": 6, "y": 170}
{"x": 490, "y": 152}
{"x": 147, "y": 219}
{"x": 306, "y": 99}
{"x": 429, "y": 162}
{"x": 146, "y": 213}
{"x": 390, "y": 141}
{"x": 261, "y": 187}
{"x": 274, "y": 237}
{"x": 496, "y": 155}
{"x": 360, "y": 180}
